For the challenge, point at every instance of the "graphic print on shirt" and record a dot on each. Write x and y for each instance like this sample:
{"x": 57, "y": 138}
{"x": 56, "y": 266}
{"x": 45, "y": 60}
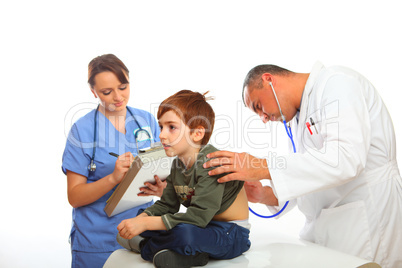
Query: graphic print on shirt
{"x": 184, "y": 192}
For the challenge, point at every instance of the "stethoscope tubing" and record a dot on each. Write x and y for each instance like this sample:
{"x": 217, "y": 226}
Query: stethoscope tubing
{"x": 290, "y": 135}
{"x": 92, "y": 165}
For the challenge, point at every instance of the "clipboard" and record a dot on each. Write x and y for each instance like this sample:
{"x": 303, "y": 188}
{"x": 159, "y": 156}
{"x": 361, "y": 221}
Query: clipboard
{"x": 145, "y": 165}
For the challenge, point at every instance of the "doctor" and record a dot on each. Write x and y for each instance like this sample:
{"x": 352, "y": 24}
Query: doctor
{"x": 344, "y": 175}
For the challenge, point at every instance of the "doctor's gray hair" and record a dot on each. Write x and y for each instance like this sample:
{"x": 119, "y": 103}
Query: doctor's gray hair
{"x": 253, "y": 77}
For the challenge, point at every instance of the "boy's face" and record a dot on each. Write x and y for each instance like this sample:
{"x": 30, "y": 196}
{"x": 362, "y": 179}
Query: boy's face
{"x": 176, "y": 136}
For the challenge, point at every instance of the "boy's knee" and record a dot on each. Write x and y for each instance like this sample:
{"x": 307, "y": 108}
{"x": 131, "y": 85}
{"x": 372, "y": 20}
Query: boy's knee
{"x": 185, "y": 232}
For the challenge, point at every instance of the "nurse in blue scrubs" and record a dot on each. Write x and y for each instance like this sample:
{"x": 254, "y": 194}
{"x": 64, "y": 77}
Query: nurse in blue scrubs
{"x": 111, "y": 127}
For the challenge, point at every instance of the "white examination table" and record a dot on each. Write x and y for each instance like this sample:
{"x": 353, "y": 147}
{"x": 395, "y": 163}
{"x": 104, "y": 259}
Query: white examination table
{"x": 269, "y": 248}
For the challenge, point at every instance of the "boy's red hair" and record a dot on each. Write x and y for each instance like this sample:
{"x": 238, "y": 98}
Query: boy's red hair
{"x": 193, "y": 109}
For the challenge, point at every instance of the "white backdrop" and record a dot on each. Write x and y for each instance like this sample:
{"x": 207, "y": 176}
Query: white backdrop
{"x": 168, "y": 46}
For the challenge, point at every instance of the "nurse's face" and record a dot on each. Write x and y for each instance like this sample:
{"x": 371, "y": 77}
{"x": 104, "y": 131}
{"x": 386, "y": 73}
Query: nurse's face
{"x": 113, "y": 95}
{"x": 262, "y": 102}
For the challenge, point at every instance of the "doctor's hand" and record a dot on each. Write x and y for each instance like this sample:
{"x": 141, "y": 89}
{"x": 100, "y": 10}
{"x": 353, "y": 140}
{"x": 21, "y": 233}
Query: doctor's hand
{"x": 153, "y": 189}
{"x": 121, "y": 167}
{"x": 241, "y": 166}
{"x": 256, "y": 193}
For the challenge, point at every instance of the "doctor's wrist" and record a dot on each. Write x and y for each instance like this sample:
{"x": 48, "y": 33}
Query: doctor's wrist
{"x": 263, "y": 170}
{"x": 269, "y": 197}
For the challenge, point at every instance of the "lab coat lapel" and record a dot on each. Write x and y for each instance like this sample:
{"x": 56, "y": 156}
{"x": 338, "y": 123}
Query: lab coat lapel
{"x": 304, "y": 109}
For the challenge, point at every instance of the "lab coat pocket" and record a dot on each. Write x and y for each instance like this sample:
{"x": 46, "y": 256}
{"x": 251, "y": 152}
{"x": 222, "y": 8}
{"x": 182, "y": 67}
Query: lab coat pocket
{"x": 312, "y": 138}
{"x": 345, "y": 229}
{"x": 315, "y": 141}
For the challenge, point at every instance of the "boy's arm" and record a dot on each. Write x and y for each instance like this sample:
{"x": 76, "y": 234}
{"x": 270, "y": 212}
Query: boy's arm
{"x": 147, "y": 220}
{"x": 168, "y": 202}
{"x": 135, "y": 226}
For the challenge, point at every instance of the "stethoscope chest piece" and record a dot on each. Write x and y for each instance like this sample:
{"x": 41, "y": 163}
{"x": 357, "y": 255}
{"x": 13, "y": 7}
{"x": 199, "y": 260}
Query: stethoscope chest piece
{"x": 137, "y": 133}
{"x": 92, "y": 166}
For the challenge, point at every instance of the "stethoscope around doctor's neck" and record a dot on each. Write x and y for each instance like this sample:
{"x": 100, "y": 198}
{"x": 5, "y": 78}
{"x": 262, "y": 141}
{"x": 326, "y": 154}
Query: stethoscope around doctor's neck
{"x": 290, "y": 135}
{"x": 92, "y": 165}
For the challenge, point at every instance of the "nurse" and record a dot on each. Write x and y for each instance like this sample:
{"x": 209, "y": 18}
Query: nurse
{"x": 92, "y": 173}
{"x": 344, "y": 175}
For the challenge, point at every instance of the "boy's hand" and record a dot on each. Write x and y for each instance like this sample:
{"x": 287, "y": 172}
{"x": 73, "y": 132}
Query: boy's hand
{"x": 131, "y": 227}
{"x": 153, "y": 189}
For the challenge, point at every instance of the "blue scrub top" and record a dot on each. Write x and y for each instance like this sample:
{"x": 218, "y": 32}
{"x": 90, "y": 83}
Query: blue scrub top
{"x": 92, "y": 230}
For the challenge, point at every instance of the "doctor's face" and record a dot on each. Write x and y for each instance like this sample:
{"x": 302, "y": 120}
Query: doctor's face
{"x": 262, "y": 102}
{"x": 113, "y": 95}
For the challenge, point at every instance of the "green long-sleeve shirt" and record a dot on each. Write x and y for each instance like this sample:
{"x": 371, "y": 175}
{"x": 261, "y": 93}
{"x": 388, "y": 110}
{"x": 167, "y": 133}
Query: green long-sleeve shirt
{"x": 203, "y": 196}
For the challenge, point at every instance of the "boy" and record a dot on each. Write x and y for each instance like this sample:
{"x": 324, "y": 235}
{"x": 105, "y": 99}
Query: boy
{"x": 216, "y": 221}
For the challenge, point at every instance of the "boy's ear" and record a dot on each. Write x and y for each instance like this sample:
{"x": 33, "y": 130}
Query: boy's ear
{"x": 199, "y": 133}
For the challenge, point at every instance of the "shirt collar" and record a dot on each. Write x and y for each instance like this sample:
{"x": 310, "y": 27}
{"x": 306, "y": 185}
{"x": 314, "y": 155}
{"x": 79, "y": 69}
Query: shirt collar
{"x": 309, "y": 84}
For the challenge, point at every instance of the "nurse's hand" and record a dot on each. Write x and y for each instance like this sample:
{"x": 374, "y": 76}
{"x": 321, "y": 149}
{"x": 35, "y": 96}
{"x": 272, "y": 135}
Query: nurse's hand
{"x": 256, "y": 193}
{"x": 153, "y": 189}
{"x": 121, "y": 167}
{"x": 241, "y": 166}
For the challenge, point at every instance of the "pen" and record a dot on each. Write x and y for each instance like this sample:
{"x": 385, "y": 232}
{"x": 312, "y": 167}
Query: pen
{"x": 308, "y": 126}
{"x": 113, "y": 154}
{"x": 313, "y": 124}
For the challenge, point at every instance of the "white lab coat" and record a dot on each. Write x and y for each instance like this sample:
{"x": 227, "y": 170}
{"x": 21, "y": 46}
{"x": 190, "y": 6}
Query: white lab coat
{"x": 344, "y": 175}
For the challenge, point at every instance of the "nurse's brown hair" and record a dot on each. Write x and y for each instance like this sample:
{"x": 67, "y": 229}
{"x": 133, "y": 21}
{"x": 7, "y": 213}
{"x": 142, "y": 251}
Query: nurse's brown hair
{"x": 107, "y": 63}
{"x": 193, "y": 109}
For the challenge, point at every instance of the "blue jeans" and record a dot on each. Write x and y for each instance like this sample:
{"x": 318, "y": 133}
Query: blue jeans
{"x": 221, "y": 240}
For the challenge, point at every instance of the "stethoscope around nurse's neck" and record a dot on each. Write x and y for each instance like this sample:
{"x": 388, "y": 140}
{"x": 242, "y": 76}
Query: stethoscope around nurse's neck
{"x": 92, "y": 165}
